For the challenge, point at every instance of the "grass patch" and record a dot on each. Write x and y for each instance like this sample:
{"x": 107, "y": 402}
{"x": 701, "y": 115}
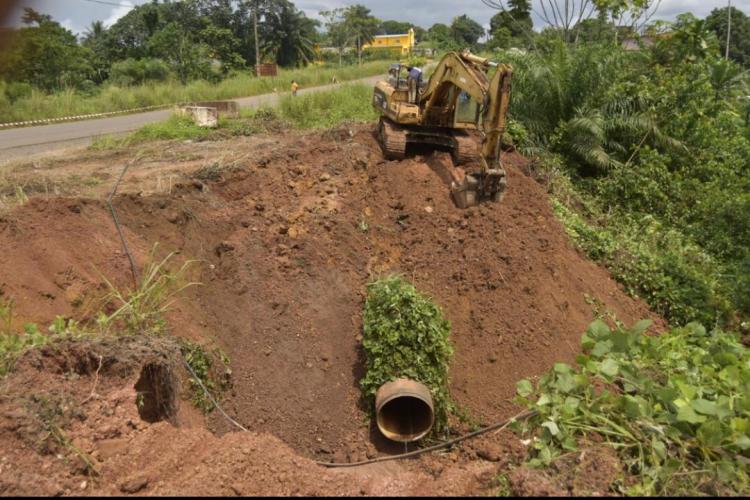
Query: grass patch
{"x": 141, "y": 310}
{"x": 39, "y": 105}
{"x": 675, "y": 407}
{"x": 175, "y": 128}
{"x": 138, "y": 311}
{"x": 316, "y": 110}
{"x": 329, "y": 108}
{"x": 406, "y": 335}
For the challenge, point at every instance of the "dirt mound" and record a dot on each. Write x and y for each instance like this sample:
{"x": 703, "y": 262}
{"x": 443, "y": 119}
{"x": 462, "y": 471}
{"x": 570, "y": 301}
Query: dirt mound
{"x": 71, "y": 424}
{"x": 288, "y": 239}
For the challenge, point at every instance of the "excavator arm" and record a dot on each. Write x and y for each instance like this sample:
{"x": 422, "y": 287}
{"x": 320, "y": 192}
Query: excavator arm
{"x": 468, "y": 73}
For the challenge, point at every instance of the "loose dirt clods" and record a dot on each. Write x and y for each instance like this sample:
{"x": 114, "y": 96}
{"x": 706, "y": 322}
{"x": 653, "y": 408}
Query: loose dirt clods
{"x": 288, "y": 238}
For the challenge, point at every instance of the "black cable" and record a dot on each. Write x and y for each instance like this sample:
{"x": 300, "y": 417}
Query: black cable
{"x": 115, "y": 4}
{"x": 498, "y": 426}
{"x": 133, "y": 267}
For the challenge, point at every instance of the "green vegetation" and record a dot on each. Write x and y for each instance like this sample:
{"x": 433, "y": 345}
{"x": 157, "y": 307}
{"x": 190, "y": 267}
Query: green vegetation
{"x": 649, "y": 155}
{"x": 13, "y": 343}
{"x": 204, "y": 364}
{"x": 675, "y": 407}
{"x": 136, "y": 312}
{"x": 110, "y": 97}
{"x": 191, "y": 39}
{"x": 329, "y": 108}
{"x": 310, "y": 111}
{"x": 130, "y": 312}
{"x": 141, "y": 310}
{"x": 405, "y": 335}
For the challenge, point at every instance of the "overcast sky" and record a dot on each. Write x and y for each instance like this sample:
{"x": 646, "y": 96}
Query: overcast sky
{"x": 78, "y": 14}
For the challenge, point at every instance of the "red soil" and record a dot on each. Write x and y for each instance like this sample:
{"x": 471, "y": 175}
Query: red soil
{"x": 288, "y": 241}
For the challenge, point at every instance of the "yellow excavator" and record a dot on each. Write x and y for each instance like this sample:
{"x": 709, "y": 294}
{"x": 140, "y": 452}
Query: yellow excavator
{"x": 459, "y": 97}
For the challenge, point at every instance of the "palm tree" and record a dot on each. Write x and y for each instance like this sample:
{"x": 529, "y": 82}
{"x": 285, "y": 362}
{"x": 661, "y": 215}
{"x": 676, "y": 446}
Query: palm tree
{"x": 287, "y": 34}
{"x": 94, "y": 31}
{"x": 564, "y": 101}
{"x": 361, "y": 26}
{"x": 729, "y": 79}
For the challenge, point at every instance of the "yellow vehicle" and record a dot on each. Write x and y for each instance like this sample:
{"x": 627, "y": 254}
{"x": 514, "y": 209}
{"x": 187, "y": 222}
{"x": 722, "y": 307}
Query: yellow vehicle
{"x": 459, "y": 97}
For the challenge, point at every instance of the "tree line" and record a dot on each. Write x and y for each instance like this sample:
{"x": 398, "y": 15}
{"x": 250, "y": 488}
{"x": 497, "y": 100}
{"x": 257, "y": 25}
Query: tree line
{"x": 187, "y": 40}
{"x": 209, "y": 39}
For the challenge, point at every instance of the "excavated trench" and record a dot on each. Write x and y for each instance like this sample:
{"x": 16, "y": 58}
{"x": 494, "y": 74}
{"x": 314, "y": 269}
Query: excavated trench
{"x": 287, "y": 239}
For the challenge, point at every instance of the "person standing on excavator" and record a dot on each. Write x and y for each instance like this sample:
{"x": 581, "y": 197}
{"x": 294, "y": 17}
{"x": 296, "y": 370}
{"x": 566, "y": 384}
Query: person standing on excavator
{"x": 414, "y": 80}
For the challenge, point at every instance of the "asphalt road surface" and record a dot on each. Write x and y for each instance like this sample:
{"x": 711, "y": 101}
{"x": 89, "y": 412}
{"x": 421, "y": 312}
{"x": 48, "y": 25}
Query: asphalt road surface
{"x": 19, "y": 143}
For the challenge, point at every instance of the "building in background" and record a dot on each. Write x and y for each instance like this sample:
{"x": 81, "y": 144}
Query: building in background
{"x": 403, "y": 44}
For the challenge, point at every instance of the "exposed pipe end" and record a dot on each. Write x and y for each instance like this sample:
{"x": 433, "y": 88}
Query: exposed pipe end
{"x": 404, "y": 410}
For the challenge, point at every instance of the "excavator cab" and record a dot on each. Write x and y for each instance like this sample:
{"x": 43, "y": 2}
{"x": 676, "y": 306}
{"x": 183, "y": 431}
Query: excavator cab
{"x": 459, "y": 97}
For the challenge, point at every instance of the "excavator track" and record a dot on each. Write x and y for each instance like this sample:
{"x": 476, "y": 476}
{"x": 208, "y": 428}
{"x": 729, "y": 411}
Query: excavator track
{"x": 392, "y": 139}
{"x": 466, "y": 149}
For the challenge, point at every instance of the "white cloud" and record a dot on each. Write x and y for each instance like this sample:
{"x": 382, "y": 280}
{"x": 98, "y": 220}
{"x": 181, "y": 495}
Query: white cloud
{"x": 117, "y": 13}
{"x": 425, "y": 13}
{"x": 68, "y": 25}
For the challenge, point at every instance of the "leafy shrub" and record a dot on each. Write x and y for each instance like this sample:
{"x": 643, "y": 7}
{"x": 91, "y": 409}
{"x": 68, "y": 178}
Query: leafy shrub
{"x": 18, "y": 90}
{"x": 13, "y": 343}
{"x": 678, "y": 279}
{"x": 203, "y": 364}
{"x": 405, "y": 335}
{"x": 675, "y": 407}
{"x": 138, "y": 71}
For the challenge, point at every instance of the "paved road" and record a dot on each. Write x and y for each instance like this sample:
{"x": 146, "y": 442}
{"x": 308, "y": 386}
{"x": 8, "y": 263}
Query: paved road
{"x": 23, "y": 142}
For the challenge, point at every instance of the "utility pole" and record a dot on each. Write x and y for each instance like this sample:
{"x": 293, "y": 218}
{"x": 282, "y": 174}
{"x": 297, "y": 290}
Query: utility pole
{"x": 729, "y": 26}
{"x": 255, "y": 29}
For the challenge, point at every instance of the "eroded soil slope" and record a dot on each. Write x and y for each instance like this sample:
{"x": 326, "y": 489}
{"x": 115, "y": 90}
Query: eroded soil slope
{"x": 288, "y": 235}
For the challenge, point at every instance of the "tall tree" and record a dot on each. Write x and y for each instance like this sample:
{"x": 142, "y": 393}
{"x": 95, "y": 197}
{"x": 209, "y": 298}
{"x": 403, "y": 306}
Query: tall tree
{"x": 514, "y": 22}
{"x": 465, "y": 31}
{"x": 739, "y": 43}
{"x": 439, "y": 35}
{"x": 178, "y": 48}
{"x": 564, "y": 15}
{"x": 361, "y": 26}
{"x": 393, "y": 28}
{"x": 44, "y": 54}
{"x": 95, "y": 39}
{"x": 288, "y": 34}
{"x": 336, "y": 31}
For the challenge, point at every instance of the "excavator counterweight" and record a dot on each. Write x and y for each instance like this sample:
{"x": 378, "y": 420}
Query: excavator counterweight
{"x": 459, "y": 97}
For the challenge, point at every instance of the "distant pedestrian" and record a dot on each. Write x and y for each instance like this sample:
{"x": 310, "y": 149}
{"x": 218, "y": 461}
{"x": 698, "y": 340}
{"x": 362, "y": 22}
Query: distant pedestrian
{"x": 334, "y": 80}
{"x": 295, "y": 86}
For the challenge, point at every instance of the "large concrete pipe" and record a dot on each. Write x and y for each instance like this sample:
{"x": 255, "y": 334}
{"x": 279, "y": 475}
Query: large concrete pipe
{"x": 404, "y": 410}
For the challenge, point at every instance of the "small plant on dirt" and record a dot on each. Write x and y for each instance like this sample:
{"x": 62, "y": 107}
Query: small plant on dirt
{"x": 363, "y": 225}
{"x": 53, "y": 416}
{"x": 406, "y": 335}
{"x": 203, "y": 364}
{"x": 142, "y": 310}
{"x": 12, "y": 344}
{"x": 210, "y": 171}
{"x": 675, "y": 407}
{"x": 503, "y": 486}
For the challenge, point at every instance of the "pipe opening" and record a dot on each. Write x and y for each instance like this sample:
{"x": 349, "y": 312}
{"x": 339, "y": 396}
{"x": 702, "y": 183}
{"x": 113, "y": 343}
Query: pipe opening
{"x": 405, "y": 419}
{"x": 404, "y": 411}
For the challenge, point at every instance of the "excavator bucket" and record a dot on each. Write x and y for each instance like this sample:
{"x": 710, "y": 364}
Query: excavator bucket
{"x": 476, "y": 188}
